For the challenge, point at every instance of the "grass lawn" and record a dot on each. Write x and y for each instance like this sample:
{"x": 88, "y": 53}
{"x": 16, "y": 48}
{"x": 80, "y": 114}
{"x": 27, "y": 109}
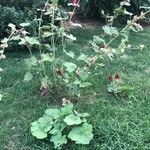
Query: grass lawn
{"x": 119, "y": 124}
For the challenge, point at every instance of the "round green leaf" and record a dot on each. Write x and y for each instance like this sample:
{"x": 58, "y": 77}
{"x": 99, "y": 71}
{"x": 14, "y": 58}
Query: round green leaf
{"x": 37, "y": 131}
{"x": 54, "y": 113}
{"x": 81, "y": 134}
{"x": 72, "y": 120}
{"x": 66, "y": 110}
{"x": 70, "y": 67}
{"x": 59, "y": 140}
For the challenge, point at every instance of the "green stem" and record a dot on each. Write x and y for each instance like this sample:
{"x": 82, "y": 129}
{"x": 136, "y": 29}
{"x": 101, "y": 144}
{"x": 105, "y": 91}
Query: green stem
{"x": 40, "y": 23}
{"x": 53, "y": 45}
{"x": 29, "y": 48}
{"x": 74, "y": 11}
{"x": 42, "y": 66}
{"x": 142, "y": 15}
{"x": 63, "y": 47}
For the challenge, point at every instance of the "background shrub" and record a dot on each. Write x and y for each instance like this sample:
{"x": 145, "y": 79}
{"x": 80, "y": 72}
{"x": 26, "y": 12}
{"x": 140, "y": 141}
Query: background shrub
{"x": 12, "y": 11}
{"x": 16, "y": 13}
{"x": 9, "y": 15}
{"x": 88, "y": 9}
{"x": 92, "y": 8}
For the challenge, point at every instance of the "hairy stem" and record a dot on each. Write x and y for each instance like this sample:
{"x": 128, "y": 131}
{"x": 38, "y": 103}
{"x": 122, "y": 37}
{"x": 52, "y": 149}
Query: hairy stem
{"x": 126, "y": 27}
{"x": 53, "y": 44}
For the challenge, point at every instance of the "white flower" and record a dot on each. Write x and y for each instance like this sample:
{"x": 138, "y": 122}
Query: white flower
{"x": 1, "y": 96}
{"x": 129, "y": 46}
{"x": 1, "y": 70}
{"x": 142, "y": 46}
{"x": 76, "y": 24}
{"x": 128, "y": 13}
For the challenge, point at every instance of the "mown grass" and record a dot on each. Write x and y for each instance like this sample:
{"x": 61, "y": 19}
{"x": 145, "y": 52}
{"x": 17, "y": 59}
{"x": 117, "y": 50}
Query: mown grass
{"x": 119, "y": 124}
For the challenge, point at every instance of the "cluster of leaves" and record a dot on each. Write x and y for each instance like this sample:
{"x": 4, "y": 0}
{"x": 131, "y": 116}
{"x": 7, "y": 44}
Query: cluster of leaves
{"x": 60, "y": 125}
{"x": 62, "y": 71}
{"x": 104, "y": 42}
{"x": 3, "y": 46}
{"x": 52, "y": 69}
{"x": 118, "y": 87}
{"x": 17, "y": 4}
{"x": 15, "y": 16}
{"x": 7, "y": 15}
{"x": 103, "y": 45}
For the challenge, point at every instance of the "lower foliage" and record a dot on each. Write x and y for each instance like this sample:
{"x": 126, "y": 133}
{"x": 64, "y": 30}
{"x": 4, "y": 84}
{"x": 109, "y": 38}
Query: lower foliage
{"x": 62, "y": 125}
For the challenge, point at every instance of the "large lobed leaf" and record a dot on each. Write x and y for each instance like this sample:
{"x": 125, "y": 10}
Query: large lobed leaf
{"x": 72, "y": 120}
{"x": 70, "y": 67}
{"x": 58, "y": 140}
{"x": 81, "y": 134}
{"x": 40, "y": 128}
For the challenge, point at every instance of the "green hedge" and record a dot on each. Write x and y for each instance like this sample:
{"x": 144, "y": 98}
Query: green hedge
{"x": 9, "y": 15}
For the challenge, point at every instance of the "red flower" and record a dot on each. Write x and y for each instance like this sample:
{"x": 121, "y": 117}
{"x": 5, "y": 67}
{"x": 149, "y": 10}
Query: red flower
{"x": 75, "y": 1}
{"x": 102, "y": 46}
{"x": 117, "y": 77}
{"x": 110, "y": 78}
{"x": 59, "y": 71}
